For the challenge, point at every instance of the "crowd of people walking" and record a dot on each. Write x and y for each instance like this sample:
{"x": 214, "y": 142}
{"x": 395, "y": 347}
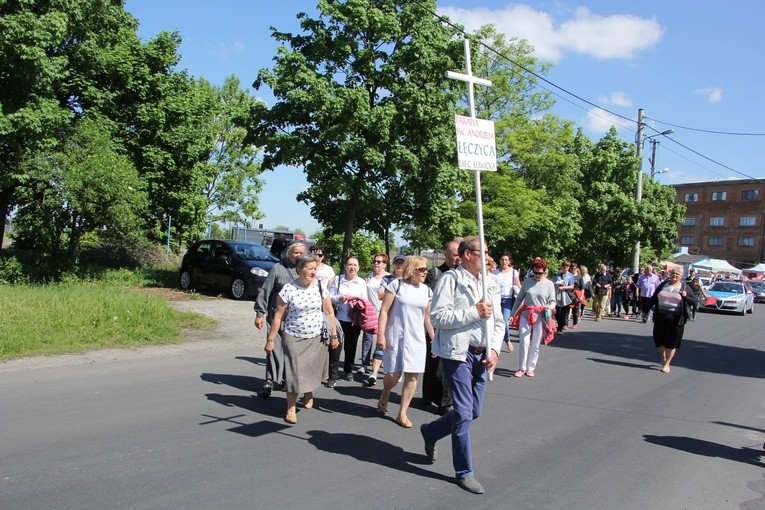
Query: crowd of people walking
{"x": 446, "y": 325}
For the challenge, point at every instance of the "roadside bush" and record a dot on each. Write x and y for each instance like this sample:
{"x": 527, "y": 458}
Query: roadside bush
{"x": 33, "y": 267}
{"x": 130, "y": 253}
{"x": 11, "y": 271}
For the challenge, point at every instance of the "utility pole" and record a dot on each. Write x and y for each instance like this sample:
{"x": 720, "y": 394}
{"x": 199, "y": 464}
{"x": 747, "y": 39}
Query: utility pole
{"x": 652, "y": 160}
{"x": 639, "y": 191}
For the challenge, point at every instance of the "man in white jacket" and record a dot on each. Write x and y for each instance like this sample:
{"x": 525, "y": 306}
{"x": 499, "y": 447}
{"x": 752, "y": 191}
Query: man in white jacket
{"x": 468, "y": 341}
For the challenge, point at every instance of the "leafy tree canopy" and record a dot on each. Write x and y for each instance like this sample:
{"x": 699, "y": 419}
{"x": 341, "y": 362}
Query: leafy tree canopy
{"x": 364, "y": 108}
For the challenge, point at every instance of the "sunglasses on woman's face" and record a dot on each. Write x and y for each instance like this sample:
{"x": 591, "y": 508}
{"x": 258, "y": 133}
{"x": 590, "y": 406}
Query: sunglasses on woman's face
{"x": 422, "y": 269}
{"x": 539, "y": 272}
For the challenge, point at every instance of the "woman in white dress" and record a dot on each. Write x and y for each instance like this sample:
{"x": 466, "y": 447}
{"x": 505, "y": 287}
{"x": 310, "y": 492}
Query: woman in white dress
{"x": 404, "y": 319}
{"x": 299, "y": 318}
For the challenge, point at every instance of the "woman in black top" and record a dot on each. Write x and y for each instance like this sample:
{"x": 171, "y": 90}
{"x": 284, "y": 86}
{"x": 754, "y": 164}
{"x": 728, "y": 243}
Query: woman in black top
{"x": 670, "y": 305}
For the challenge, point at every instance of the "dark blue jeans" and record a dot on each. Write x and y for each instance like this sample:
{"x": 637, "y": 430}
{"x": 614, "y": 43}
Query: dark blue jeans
{"x": 507, "y": 307}
{"x": 467, "y": 382}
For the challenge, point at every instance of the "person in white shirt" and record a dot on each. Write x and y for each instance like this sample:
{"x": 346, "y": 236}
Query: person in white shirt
{"x": 348, "y": 284}
{"x": 509, "y": 285}
{"x": 324, "y": 272}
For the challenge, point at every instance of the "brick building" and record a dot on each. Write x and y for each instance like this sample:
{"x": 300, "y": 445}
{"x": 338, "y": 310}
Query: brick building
{"x": 724, "y": 220}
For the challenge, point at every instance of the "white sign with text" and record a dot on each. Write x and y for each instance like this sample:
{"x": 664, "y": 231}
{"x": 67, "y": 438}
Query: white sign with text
{"x": 476, "y": 146}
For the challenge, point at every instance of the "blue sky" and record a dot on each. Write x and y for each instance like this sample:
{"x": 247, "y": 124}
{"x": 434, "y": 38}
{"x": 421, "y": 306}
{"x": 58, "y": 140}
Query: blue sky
{"x": 691, "y": 63}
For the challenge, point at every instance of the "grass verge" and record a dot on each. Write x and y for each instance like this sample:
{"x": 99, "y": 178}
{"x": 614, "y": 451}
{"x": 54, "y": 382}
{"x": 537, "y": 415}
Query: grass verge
{"x": 78, "y": 317}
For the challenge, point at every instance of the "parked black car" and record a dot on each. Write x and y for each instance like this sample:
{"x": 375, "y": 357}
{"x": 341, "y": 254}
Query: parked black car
{"x": 759, "y": 290}
{"x": 237, "y": 266}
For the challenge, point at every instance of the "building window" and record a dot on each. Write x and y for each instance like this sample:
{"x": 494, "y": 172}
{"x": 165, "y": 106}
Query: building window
{"x": 719, "y": 195}
{"x": 746, "y": 241}
{"x": 750, "y": 194}
{"x": 715, "y": 241}
{"x": 747, "y": 221}
{"x": 689, "y": 222}
{"x": 691, "y": 197}
{"x": 687, "y": 240}
{"x": 717, "y": 221}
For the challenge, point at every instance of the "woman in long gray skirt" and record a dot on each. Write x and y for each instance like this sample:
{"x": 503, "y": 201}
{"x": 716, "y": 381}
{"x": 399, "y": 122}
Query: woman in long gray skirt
{"x": 299, "y": 317}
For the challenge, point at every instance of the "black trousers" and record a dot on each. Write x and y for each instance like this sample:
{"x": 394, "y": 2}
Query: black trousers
{"x": 561, "y": 316}
{"x": 435, "y": 389}
{"x": 275, "y": 360}
{"x": 334, "y": 362}
{"x": 351, "y": 334}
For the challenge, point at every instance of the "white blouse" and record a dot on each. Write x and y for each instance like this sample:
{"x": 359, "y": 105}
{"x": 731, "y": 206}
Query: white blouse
{"x": 304, "y": 317}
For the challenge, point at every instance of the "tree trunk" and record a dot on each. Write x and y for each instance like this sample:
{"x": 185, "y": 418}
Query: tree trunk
{"x": 350, "y": 218}
{"x": 5, "y": 208}
{"x": 386, "y": 233}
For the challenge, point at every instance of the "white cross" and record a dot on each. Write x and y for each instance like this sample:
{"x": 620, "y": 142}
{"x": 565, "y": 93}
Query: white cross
{"x": 471, "y": 80}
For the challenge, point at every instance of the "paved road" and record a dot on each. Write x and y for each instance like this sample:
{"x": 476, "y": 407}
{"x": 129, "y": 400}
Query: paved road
{"x": 600, "y": 427}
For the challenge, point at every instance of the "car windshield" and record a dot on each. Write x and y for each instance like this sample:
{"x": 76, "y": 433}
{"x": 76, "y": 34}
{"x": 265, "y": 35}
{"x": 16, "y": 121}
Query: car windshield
{"x": 732, "y": 287}
{"x": 757, "y": 285}
{"x": 252, "y": 251}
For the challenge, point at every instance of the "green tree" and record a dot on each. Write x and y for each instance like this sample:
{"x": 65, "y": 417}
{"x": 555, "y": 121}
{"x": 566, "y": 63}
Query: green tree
{"x": 232, "y": 184}
{"x": 660, "y": 218}
{"x": 612, "y": 219}
{"x": 60, "y": 58}
{"x": 363, "y": 247}
{"x": 67, "y": 59}
{"x": 364, "y": 108}
{"x": 89, "y": 187}
{"x": 530, "y": 205}
{"x": 167, "y": 127}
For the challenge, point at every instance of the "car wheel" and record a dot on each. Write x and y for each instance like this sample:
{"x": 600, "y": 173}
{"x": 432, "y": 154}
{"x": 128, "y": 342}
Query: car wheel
{"x": 743, "y": 310}
{"x": 751, "y": 309}
{"x": 185, "y": 282}
{"x": 238, "y": 288}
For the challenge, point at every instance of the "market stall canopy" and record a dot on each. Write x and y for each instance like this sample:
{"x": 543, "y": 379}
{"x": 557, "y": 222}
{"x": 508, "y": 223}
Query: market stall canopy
{"x": 716, "y": 266}
{"x": 669, "y": 266}
{"x": 758, "y": 269}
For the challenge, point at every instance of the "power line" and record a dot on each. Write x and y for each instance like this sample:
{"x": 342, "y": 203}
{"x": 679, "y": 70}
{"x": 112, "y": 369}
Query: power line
{"x": 733, "y": 133}
{"x": 693, "y": 162}
{"x": 566, "y": 91}
{"x": 522, "y": 67}
{"x": 710, "y": 159}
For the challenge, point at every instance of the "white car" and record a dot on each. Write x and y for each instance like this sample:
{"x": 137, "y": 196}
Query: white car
{"x": 728, "y": 296}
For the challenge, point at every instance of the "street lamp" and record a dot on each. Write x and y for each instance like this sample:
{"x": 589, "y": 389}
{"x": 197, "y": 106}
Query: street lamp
{"x": 654, "y": 143}
{"x": 659, "y": 172}
{"x": 639, "y": 141}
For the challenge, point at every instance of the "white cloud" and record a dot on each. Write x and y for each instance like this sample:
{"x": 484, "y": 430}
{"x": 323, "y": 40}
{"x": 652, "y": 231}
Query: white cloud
{"x": 515, "y": 21}
{"x": 619, "y": 36}
{"x": 714, "y": 94}
{"x": 220, "y": 51}
{"x": 600, "y": 121}
{"x": 224, "y": 50}
{"x": 617, "y": 98}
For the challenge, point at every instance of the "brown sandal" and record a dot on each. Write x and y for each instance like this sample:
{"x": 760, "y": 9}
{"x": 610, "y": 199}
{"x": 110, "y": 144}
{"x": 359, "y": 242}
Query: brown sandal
{"x": 308, "y": 400}
{"x": 291, "y": 417}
